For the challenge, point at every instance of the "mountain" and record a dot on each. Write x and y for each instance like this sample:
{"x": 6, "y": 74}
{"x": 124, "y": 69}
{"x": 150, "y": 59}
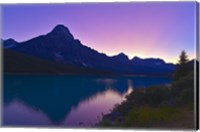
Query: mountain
{"x": 121, "y": 57}
{"x": 9, "y": 43}
{"x": 148, "y": 61}
{"x": 152, "y": 65}
{"x": 153, "y": 62}
{"x": 60, "y": 46}
{"x": 16, "y": 62}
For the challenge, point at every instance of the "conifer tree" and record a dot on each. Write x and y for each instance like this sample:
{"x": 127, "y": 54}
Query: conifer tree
{"x": 182, "y": 67}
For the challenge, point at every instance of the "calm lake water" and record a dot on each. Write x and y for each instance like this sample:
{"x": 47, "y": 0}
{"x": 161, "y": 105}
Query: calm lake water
{"x": 66, "y": 101}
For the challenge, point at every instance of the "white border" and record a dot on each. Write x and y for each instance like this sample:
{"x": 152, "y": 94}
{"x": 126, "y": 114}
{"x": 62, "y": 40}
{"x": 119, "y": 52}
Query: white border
{"x": 64, "y": 1}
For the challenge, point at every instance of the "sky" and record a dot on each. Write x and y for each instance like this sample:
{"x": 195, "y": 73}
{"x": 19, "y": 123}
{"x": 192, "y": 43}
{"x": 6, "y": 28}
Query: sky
{"x": 144, "y": 29}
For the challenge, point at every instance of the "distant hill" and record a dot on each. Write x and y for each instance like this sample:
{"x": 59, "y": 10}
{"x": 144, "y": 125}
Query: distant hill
{"x": 60, "y": 47}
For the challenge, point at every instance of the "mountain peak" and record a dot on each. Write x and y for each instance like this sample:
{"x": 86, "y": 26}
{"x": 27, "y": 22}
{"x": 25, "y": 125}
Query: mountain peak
{"x": 11, "y": 40}
{"x": 121, "y": 56}
{"x": 9, "y": 43}
{"x": 136, "y": 58}
{"x": 61, "y": 30}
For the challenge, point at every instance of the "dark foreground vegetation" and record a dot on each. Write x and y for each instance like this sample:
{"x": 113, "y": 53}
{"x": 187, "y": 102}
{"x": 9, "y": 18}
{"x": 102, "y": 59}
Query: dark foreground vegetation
{"x": 167, "y": 107}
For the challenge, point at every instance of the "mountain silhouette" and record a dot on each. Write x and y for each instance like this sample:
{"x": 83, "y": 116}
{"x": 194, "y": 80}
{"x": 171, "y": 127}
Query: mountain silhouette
{"x": 121, "y": 57}
{"x": 9, "y": 43}
{"x": 61, "y": 47}
{"x": 61, "y": 31}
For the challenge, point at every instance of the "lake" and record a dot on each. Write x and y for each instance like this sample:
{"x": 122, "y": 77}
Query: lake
{"x": 66, "y": 100}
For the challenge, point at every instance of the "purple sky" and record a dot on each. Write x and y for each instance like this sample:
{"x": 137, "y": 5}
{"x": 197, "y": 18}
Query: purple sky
{"x": 158, "y": 29}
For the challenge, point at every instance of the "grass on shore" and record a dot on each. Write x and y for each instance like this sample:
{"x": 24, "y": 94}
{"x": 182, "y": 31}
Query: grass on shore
{"x": 156, "y": 107}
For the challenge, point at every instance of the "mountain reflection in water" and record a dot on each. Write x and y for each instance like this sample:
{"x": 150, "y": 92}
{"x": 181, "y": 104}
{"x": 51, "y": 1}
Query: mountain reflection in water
{"x": 69, "y": 101}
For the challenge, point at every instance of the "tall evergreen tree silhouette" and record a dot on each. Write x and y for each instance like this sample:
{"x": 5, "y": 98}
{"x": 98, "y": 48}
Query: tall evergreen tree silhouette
{"x": 182, "y": 68}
